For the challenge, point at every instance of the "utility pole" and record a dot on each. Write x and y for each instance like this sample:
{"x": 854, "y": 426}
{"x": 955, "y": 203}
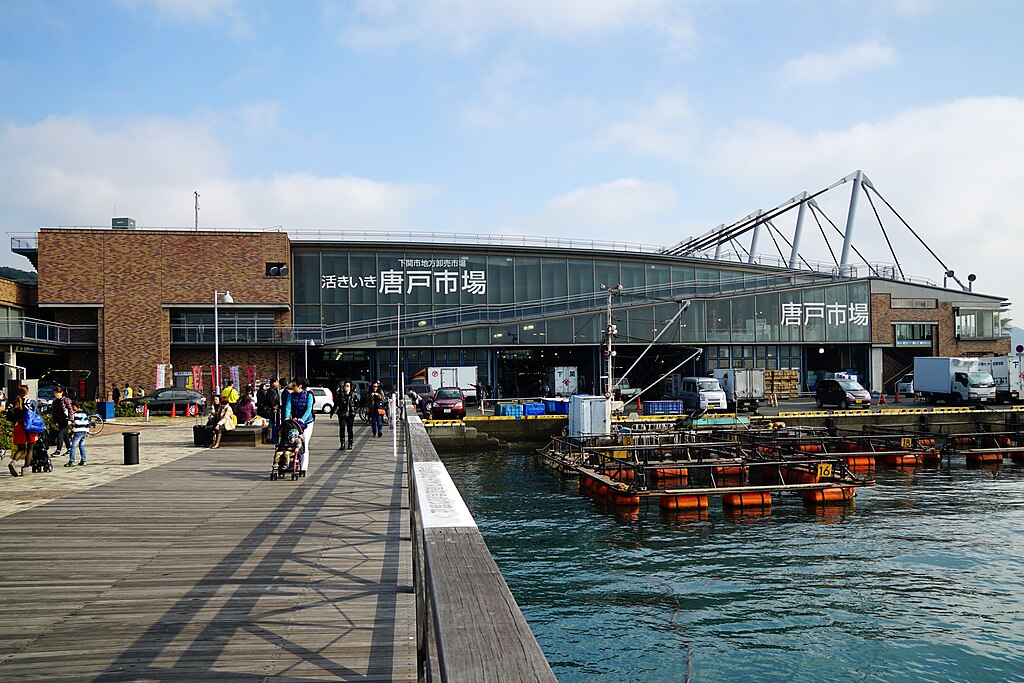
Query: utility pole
{"x": 610, "y": 331}
{"x": 197, "y": 209}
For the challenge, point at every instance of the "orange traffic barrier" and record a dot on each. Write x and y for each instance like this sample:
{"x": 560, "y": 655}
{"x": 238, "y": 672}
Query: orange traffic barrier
{"x": 831, "y": 495}
{"x": 747, "y": 500}
{"x": 683, "y": 502}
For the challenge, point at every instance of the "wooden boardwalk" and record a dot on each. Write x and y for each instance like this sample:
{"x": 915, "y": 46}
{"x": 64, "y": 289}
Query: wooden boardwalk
{"x": 204, "y": 570}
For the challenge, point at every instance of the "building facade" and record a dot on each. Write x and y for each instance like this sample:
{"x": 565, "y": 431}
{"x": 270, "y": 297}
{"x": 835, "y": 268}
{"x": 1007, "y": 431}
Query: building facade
{"x": 339, "y": 307}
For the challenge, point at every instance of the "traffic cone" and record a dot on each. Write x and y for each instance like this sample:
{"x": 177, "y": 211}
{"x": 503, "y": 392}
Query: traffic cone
{"x": 145, "y": 411}
{"x": 639, "y": 408}
{"x": 174, "y": 409}
{"x": 895, "y": 395}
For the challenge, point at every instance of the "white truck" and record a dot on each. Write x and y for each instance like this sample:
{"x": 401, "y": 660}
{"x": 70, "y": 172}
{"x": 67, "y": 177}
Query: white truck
{"x": 625, "y": 390}
{"x": 743, "y": 387}
{"x": 463, "y": 377}
{"x": 954, "y": 380}
{"x": 564, "y": 381}
{"x": 701, "y": 393}
{"x": 1008, "y": 373}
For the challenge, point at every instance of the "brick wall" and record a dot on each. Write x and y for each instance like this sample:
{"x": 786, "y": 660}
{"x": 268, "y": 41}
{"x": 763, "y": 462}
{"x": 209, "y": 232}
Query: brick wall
{"x": 883, "y": 332}
{"x": 16, "y": 294}
{"x": 133, "y": 273}
{"x": 268, "y": 362}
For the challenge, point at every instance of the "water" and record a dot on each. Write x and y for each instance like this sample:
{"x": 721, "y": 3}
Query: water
{"x": 920, "y": 580}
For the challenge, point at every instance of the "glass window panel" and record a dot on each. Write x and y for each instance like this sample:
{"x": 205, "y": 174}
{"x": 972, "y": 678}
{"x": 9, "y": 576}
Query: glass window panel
{"x": 985, "y": 326}
{"x": 304, "y": 315}
{"x": 606, "y": 273}
{"x": 814, "y": 315}
{"x": 476, "y": 335}
{"x": 581, "y": 277}
{"x": 683, "y": 282}
{"x": 335, "y": 315}
{"x": 658, "y": 279}
{"x": 632, "y": 275}
{"x": 766, "y": 317}
{"x": 363, "y": 267}
{"x": 708, "y": 282}
{"x": 791, "y": 317}
{"x": 528, "y": 279}
{"x": 664, "y": 314}
{"x": 560, "y": 331}
{"x": 418, "y": 281}
{"x": 334, "y": 268}
{"x": 858, "y": 293}
{"x": 691, "y": 327}
{"x": 306, "y": 277}
{"x": 588, "y": 328}
{"x": 454, "y": 337}
{"x": 836, "y": 314}
{"x": 533, "y": 332}
{"x": 716, "y": 320}
{"x": 743, "y": 319}
{"x": 640, "y": 326}
{"x": 500, "y": 280}
{"x": 554, "y": 281}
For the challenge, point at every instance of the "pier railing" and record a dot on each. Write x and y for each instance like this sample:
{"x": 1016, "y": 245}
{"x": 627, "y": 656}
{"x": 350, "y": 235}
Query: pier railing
{"x": 468, "y": 625}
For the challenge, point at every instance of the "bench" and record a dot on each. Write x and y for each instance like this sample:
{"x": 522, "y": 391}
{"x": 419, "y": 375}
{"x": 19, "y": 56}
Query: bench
{"x": 243, "y": 436}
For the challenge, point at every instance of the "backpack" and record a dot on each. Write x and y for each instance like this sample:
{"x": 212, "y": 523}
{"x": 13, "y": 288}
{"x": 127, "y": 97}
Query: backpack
{"x": 34, "y": 422}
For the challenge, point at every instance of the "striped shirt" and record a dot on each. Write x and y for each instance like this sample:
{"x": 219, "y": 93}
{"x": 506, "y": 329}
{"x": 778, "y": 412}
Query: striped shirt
{"x": 80, "y": 422}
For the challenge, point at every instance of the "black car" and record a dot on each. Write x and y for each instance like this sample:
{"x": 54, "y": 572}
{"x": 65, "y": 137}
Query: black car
{"x": 160, "y": 401}
{"x": 842, "y": 393}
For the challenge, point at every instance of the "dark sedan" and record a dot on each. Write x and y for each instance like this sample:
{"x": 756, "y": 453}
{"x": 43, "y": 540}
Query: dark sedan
{"x": 160, "y": 401}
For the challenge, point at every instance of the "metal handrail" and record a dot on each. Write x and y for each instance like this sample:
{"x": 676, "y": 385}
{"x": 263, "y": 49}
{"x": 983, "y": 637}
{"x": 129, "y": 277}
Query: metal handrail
{"x": 31, "y": 329}
{"x": 251, "y": 333}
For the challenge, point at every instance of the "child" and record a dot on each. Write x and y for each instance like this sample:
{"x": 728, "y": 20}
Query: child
{"x": 79, "y": 430}
{"x": 289, "y": 447}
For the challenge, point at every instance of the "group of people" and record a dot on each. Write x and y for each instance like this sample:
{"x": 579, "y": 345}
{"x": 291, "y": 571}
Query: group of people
{"x": 346, "y": 406}
{"x": 69, "y": 418}
{"x": 117, "y": 394}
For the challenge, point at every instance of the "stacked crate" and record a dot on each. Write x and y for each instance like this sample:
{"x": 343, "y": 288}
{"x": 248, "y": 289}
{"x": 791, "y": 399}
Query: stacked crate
{"x": 782, "y": 383}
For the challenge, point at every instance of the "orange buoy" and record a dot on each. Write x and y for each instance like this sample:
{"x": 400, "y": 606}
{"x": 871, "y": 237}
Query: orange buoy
{"x": 927, "y": 443}
{"x": 683, "y": 502}
{"x": 907, "y": 460}
{"x": 849, "y": 447}
{"x": 620, "y": 475}
{"x": 673, "y": 482}
{"x": 931, "y": 455}
{"x": 984, "y": 458}
{"x": 1003, "y": 441}
{"x": 727, "y": 471}
{"x": 623, "y": 499}
{"x": 747, "y": 500}
{"x": 670, "y": 472}
{"x": 601, "y": 489}
{"x": 796, "y": 475}
{"x": 829, "y": 495}
{"x": 860, "y": 461}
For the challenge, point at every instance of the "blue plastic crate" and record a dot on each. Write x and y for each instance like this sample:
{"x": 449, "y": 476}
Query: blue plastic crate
{"x": 556, "y": 406}
{"x": 662, "y": 407}
{"x": 534, "y": 409}
{"x": 510, "y": 410}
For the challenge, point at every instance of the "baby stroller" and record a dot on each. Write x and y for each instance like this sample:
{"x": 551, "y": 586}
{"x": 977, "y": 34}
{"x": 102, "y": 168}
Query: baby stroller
{"x": 288, "y": 454}
{"x": 41, "y": 461}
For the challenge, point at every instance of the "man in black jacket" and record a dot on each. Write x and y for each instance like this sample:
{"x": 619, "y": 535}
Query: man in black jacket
{"x": 272, "y": 401}
{"x": 346, "y": 404}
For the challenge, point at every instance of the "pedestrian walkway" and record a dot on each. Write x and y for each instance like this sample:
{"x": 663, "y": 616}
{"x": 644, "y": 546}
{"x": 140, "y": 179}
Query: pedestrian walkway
{"x": 202, "y": 569}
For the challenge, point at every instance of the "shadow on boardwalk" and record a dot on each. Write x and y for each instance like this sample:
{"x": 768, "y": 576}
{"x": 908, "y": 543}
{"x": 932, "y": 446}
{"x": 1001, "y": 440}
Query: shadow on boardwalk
{"x": 202, "y": 569}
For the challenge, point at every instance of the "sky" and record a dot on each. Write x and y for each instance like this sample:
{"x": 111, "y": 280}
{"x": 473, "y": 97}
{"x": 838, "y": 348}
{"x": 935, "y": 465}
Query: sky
{"x": 646, "y": 121}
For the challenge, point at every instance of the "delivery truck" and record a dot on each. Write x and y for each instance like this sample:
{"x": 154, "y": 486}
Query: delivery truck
{"x": 1008, "y": 373}
{"x": 564, "y": 381}
{"x": 954, "y": 380}
{"x": 743, "y": 387}
{"x": 463, "y": 377}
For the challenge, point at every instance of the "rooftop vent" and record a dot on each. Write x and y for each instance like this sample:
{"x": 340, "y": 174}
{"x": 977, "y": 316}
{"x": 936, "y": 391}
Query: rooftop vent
{"x": 122, "y": 223}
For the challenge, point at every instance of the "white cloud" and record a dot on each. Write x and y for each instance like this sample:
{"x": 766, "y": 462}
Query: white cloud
{"x": 664, "y": 128}
{"x": 499, "y": 97}
{"x": 953, "y": 170}
{"x": 259, "y": 118}
{"x": 622, "y": 203}
{"x": 68, "y": 171}
{"x": 186, "y": 10}
{"x": 824, "y": 68}
{"x": 464, "y": 24}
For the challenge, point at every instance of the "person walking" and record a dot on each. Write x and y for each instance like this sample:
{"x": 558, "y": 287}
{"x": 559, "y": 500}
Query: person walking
{"x": 115, "y": 393}
{"x": 24, "y": 440}
{"x": 346, "y": 405}
{"x": 299, "y": 406}
{"x": 229, "y": 393}
{"x": 61, "y": 411}
{"x": 378, "y": 408}
{"x": 273, "y": 400}
{"x": 80, "y": 430}
{"x": 128, "y": 393}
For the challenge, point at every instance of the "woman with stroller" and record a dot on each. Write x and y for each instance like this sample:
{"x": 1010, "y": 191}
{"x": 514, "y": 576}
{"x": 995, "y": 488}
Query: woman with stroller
{"x": 24, "y": 441}
{"x": 298, "y": 405}
{"x": 222, "y": 419}
{"x": 378, "y": 408}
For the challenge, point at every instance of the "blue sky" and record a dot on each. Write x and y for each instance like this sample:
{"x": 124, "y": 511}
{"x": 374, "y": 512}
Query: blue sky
{"x": 645, "y": 120}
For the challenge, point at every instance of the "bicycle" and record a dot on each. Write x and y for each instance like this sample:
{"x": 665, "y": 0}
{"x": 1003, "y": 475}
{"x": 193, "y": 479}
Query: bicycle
{"x": 95, "y": 424}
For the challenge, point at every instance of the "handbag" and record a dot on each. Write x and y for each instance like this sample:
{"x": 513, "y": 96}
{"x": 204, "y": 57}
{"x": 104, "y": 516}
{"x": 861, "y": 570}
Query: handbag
{"x": 381, "y": 411}
{"x": 34, "y": 423}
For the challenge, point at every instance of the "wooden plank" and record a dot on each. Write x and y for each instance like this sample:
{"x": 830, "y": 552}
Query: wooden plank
{"x": 203, "y": 569}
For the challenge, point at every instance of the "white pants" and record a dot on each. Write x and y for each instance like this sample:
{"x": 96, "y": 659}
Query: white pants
{"x": 306, "y": 434}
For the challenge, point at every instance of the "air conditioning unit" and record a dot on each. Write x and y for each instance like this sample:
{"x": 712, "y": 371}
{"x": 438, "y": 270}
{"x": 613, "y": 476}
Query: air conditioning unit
{"x": 122, "y": 223}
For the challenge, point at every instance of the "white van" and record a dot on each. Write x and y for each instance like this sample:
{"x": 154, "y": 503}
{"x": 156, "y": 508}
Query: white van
{"x": 701, "y": 393}
{"x": 323, "y": 399}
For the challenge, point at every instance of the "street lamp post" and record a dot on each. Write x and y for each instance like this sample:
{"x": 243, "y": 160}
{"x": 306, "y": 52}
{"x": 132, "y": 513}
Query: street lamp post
{"x": 225, "y": 299}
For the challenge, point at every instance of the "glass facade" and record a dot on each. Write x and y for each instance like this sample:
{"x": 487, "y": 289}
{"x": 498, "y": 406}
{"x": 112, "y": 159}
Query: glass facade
{"x": 554, "y": 300}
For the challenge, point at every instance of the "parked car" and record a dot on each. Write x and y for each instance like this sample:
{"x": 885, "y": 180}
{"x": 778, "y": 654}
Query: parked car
{"x": 414, "y": 391}
{"x": 842, "y": 393}
{"x": 448, "y": 403}
{"x": 160, "y": 401}
{"x": 44, "y": 397}
{"x": 424, "y": 402}
{"x": 323, "y": 399}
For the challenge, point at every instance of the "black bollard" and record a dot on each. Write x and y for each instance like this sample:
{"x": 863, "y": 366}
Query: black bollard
{"x": 131, "y": 448}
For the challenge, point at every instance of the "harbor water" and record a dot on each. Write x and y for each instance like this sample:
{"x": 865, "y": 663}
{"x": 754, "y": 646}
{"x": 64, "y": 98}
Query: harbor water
{"x": 921, "y": 579}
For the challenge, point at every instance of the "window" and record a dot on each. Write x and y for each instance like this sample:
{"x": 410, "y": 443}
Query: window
{"x": 913, "y": 334}
{"x": 914, "y": 303}
{"x": 977, "y": 324}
